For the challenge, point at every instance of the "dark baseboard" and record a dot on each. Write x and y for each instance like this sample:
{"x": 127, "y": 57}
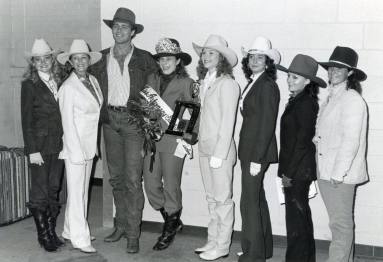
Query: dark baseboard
{"x": 361, "y": 251}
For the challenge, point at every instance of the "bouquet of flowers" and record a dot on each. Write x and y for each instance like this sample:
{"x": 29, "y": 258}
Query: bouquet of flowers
{"x": 147, "y": 115}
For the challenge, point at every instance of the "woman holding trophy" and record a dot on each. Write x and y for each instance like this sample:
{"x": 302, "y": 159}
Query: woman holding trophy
{"x": 162, "y": 177}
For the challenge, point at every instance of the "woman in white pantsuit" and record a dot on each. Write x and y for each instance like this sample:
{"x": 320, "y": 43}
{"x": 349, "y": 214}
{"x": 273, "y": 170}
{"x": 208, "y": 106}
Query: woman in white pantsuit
{"x": 219, "y": 94}
{"x": 80, "y": 100}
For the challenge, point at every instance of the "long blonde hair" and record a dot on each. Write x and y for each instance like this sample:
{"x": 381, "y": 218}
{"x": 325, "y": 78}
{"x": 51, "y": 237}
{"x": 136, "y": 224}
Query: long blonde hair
{"x": 57, "y": 71}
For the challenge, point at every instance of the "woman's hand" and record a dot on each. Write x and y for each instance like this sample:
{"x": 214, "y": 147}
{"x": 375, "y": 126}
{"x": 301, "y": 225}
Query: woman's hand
{"x": 335, "y": 182}
{"x": 255, "y": 168}
{"x": 36, "y": 158}
{"x": 286, "y": 181}
{"x": 215, "y": 162}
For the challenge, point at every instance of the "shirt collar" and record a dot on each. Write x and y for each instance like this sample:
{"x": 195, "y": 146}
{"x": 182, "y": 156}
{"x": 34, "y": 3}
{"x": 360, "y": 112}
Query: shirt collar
{"x": 256, "y": 75}
{"x": 128, "y": 54}
{"x": 334, "y": 90}
{"x": 44, "y": 76}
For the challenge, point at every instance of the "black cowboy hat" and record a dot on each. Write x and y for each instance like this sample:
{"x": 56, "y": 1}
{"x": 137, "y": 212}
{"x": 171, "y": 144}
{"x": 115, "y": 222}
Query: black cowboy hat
{"x": 345, "y": 57}
{"x": 305, "y": 66}
{"x": 125, "y": 15}
{"x": 171, "y": 47}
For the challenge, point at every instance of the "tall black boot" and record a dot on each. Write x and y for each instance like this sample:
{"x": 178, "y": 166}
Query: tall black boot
{"x": 51, "y": 219}
{"x": 172, "y": 225}
{"x": 42, "y": 230}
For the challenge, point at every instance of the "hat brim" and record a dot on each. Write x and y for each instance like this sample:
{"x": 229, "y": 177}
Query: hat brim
{"x": 225, "y": 51}
{"x": 138, "y": 28}
{"x": 272, "y": 54}
{"x": 29, "y": 55}
{"x": 185, "y": 57}
{"x": 315, "y": 79}
{"x": 94, "y": 57}
{"x": 359, "y": 74}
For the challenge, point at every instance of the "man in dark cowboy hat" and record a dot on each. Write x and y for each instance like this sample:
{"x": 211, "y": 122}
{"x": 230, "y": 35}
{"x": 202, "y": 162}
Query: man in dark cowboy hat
{"x": 122, "y": 73}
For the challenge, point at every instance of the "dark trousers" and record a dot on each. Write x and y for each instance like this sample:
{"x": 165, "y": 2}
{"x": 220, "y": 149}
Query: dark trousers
{"x": 163, "y": 184}
{"x": 123, "y": 144}
{"x": 299, "y": 225}
{"x": 256, "y": 235}
{"x": 46, "y": 183}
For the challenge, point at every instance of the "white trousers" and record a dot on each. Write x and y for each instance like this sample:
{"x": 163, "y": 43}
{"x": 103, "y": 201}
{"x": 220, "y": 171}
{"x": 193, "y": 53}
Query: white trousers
{"x": 76, "y": 226}
{"x": 218, "y": 184}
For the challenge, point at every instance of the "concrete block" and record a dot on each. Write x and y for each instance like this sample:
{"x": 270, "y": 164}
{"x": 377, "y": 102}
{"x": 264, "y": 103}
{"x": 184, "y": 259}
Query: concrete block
{"x": 373, "y": 36}
{"x": 360, "y": 11}
{"x": 375, "y": 168}
{"x": 368, "y": 225}
{"x": 375, "y": 142}
{"x": 371, "y": 61}
{"x": 370, "y": 195}
{"x": 375, "y": 116}
{"x": 323, "y": 11}
{"x": 372, "y": 89}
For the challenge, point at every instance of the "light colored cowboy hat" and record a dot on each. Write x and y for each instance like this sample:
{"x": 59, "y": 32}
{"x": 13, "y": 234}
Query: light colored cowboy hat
{"x": 219, "y": 44}
{"x": 171, "y": 47}
{"x": 305, "y": 66}
{"x": 345, "y": 57}
{"x": 79, "y": 46}
{"x": 125, "y": 15}
{"x": 262, "y": 45}
{"x": 40, "y": 47}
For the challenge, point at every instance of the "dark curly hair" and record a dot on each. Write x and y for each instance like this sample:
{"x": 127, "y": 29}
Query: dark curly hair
{"x": 312, "y": 89}
{"x": 223, "y": 68}
{"x": 353, "y": 83}
{"x": 270, "y": 70}
{"x": 57, "y": 71}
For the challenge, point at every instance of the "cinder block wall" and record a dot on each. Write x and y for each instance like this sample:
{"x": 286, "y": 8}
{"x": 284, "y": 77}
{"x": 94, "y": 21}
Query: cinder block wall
{"x": 21, "y": 21}
{"x": 312, "y": 27}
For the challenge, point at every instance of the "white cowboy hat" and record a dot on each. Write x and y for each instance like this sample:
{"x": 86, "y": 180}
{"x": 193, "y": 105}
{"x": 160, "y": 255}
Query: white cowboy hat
{"x": 219, "y": 44}
{"x": 40, "y": 47}
{"x": 262, "y": 45}
{"x": 79, "y": 46}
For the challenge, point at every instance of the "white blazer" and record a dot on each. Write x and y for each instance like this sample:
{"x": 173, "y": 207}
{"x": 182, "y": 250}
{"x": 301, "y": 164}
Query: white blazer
{"x": 217, "y": 119}
{"x": 341, "y": 138}
{"x": 80, "y": 114}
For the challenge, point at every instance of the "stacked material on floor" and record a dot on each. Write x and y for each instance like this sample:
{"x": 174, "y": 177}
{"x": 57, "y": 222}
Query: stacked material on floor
{"x": 14, "y": 185}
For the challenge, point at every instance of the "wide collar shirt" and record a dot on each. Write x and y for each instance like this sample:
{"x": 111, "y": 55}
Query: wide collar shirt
{"x": 254, "y": 78}
{"x": 49, "y": 82}
{"x": 206, "y": 83}
{"x": 118, "y": 82}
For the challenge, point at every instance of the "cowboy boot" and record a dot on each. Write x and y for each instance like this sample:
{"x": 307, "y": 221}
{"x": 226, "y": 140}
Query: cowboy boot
{"x": 51, "y": 219}
{"x": 42, "y": 230}
{"x": 172, "y": 225}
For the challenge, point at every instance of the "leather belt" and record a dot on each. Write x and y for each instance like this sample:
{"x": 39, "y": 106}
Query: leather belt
{"x": 118, "y": 108}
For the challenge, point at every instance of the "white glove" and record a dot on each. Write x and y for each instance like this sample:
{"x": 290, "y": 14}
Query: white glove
{"x": 215, "y": 162}
{"x": 254, "y": 168}
{"x": 36, "y": 158}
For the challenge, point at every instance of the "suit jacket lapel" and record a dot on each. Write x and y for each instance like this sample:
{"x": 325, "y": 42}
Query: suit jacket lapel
{"x": 83, "y": 89}
{"x": 213, "y": 86}
{"x": 46, "y": 92}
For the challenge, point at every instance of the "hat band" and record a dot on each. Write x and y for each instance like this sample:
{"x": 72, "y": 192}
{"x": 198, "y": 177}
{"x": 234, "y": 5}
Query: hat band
{"x": 338, "y": 62}
{"x": 256, "y": 51}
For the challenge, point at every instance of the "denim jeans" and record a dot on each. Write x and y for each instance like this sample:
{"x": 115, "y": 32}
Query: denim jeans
{"x": 123, "y": 143}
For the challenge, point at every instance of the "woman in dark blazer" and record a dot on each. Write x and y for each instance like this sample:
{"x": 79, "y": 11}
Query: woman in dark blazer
{"x": 163, "y": 183}
{"x": 297, "y": 166}
{"x": 257, "y": 147}
{"x": 42, "y": 131}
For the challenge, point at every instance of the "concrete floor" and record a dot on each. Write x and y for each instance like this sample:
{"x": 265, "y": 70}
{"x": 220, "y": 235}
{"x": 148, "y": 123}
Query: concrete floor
{"x": 18, "y": 244}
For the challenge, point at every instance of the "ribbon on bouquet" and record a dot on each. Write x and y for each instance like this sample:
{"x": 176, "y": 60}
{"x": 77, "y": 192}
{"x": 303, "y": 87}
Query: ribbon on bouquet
{"x": 151, "y": 96}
